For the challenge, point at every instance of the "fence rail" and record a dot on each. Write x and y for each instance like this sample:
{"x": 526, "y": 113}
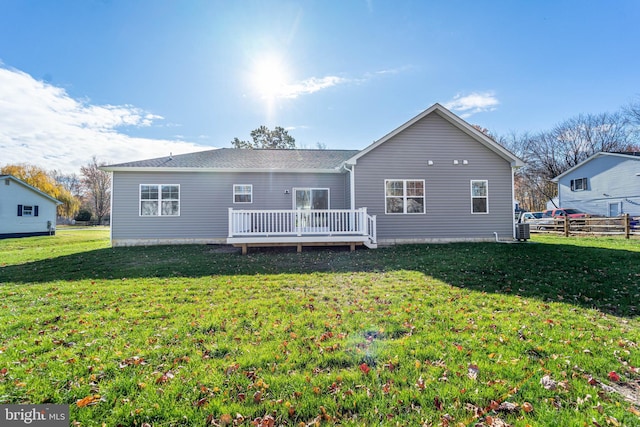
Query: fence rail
{"x": 622, "y": 225}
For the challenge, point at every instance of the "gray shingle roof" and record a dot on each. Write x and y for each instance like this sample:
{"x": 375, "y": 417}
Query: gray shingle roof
{"x": 233, "y": 158}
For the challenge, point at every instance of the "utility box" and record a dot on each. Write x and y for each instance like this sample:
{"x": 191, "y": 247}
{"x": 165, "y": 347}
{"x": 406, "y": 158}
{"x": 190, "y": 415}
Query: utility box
{"x": 523, "y": 231}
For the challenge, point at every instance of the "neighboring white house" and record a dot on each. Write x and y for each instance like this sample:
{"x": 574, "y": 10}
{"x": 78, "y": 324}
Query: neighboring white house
{"x": 605, "y": 184}
{"x": 25, "y": 210}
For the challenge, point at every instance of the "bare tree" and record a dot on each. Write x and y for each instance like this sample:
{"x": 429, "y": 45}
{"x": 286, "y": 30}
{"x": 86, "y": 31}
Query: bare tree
{"x": 70, "y": 181}
{"x": 97, "y": 185}
{"x": 550, "y": 153}
{"x": 632, "y": 111}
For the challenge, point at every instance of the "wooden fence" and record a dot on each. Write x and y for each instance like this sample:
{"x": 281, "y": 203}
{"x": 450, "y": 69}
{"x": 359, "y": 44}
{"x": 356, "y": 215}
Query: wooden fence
{"x": 622, "y": 225}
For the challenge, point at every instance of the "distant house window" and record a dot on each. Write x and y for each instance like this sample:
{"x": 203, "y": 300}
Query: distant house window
{"x": 579, "y": 184}
{"x": 404, "y": 196}
{"x": 479, "y": 196}
{"x": 159, "y": 200}
{"x": 242, "y": 193}
{"x": 26, "y": 210}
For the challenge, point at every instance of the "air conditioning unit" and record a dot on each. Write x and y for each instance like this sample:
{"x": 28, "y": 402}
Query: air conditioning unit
{"x": 523, "y": 231}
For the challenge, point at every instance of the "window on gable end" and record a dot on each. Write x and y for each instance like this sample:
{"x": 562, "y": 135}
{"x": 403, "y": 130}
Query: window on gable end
{"x": 579, "y": 184}
{"x": 479, "y": 196}
{"x": 404, "y": 196}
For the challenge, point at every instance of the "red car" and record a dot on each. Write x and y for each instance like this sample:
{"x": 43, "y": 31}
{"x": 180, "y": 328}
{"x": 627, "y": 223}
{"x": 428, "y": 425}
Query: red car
{"x": 562, "y": 212}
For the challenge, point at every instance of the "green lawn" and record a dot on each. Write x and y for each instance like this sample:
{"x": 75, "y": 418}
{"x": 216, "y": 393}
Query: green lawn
{"x": 542, "y": 333}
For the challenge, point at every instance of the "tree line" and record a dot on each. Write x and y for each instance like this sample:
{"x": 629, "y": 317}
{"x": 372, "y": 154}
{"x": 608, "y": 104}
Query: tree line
{"x": 552, "y": 152}
{"x": 84, "y": 197}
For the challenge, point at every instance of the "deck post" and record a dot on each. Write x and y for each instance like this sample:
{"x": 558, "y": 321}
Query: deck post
{"x": 374, "y": 233}
{"x": 230, "y": 222}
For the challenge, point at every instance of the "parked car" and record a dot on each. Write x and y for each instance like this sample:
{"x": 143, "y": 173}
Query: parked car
{"x": 530, "y": 216}
{"x": 533, "y": 218}
{"x": 562, "y": 212}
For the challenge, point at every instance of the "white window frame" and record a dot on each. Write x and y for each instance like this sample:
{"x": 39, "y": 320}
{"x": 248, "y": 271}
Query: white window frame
{"x": 486, "y": 196}
{"x": 237, "y": 192}
{"x": 159, "y": 200}
{"x": 405, "y": 197}
{"x": 27, "y": 210}
{"x": 583, "y": 184}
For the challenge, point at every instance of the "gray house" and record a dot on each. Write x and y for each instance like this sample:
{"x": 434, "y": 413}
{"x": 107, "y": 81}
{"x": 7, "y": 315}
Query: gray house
{"x": 605, "y": 184}
{"x": 25, "y": 210}
{"x": 435, "y": 178}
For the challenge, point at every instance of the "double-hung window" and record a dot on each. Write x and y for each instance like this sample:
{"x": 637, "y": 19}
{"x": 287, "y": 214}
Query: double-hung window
{"x": 242, "y": 193}
{"x": 26, "y": 210}
{"x": 479, "y": 196}
{"x": 404, "y": 196}
{"x": 579, "y": 184}
{"x": 159, "y": 200}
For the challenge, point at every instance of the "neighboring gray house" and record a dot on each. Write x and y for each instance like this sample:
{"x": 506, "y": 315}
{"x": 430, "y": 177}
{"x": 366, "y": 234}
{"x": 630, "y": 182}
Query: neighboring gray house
{"x": 435, "y": 178}
{"x": 25, "y": 210}
{"x": 605, "y": 184}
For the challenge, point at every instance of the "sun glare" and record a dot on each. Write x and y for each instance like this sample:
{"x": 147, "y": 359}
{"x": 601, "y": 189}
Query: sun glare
{"x": 270, "y": 77}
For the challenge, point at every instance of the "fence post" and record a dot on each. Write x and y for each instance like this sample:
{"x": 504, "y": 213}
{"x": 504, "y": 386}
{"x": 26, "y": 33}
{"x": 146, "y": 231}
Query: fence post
{"x": 627, "y": 226}
{"x": 566, "y": 226}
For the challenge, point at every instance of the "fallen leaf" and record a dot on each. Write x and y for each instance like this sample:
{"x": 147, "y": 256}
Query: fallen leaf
{"x": 438, "y": 403}
{"x": 472, "y": 371}
{"x": 92, "y": 399}
{"x": 613, "y": 376}
{"x": 527, "y": 407}
{"x": 365, "y": 368}
{"x": 225, "y": 420}
{"x": 508, "y": 407}
{"x": 548, "y": 383}
{"x": 201, "y": 402}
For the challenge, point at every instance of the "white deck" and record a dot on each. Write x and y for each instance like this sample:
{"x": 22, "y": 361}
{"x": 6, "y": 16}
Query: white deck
{"x": 299, "y": 228}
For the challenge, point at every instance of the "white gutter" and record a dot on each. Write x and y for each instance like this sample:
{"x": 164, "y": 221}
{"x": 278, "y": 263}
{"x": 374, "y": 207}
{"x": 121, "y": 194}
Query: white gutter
{"x": 352, "y": 184}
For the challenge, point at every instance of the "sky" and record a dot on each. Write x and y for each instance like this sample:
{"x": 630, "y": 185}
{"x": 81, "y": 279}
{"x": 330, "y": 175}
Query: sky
{"x": 126, "y": 80}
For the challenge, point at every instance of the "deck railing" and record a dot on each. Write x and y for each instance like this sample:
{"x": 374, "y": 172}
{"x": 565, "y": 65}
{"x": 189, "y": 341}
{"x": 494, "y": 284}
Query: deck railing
{"x": 301, "y": 222}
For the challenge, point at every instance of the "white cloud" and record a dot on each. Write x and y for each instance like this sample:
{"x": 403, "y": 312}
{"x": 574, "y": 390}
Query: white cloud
{"x": 476, "y": 102}
{"x": 309, "y": 86}
{"x": 41, "y": 124}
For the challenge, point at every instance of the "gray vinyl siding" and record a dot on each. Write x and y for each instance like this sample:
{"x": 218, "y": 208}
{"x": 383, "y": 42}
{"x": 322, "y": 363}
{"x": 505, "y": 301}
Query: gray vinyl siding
{"x": 204, "y": 201}
{"x": 447, "y": 186}
{"x": 610, "y": 179}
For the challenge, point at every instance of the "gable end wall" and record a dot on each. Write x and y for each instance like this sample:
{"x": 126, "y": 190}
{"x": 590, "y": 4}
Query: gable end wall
{"x": 11, "y": 224}
{"x": 610, "y": 179}
{"x": 448, "y": 201}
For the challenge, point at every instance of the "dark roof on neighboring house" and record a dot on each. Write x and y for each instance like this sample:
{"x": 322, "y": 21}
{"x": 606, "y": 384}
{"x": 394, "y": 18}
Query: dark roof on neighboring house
{"x": 244, "y": 159}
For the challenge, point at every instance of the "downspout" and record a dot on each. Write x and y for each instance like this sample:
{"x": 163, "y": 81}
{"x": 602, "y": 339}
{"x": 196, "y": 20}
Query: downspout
{"x": 513, "y": 199}
{"x": 111, "y": 209}
{"x": 352, "y": 185}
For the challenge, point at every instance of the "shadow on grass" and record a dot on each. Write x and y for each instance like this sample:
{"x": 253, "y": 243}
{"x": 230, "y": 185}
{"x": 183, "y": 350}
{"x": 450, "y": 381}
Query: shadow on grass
{"x": 605, "y": 279}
